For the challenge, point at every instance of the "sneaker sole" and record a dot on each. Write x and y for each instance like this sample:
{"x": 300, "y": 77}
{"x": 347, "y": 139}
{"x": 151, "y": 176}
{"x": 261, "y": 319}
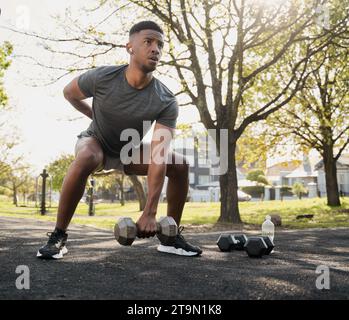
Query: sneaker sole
{"x": 177, "y": 251}
{"x": 57, "y": 256}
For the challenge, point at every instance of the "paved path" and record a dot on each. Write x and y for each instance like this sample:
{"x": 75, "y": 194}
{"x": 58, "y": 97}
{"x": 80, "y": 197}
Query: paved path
{"x": 96, "y": 267}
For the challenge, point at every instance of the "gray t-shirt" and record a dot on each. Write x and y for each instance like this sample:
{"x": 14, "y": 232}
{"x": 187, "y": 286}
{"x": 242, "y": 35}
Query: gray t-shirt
{"x": 117, "y": 105}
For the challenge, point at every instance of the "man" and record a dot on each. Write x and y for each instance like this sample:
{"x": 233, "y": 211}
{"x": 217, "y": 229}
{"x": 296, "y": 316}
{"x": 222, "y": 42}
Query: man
{"x": 124, "y": 97}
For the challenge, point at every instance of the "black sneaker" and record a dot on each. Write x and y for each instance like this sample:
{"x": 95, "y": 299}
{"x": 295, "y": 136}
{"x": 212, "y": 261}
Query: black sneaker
{"x": 55, "y": 247}
{"x": 180, "y": 246}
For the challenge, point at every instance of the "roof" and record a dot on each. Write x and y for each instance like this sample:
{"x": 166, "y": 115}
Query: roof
{"x": 300, "y": 173}
{"x": 285, "y": 166}
{"x": 343, "y": 160}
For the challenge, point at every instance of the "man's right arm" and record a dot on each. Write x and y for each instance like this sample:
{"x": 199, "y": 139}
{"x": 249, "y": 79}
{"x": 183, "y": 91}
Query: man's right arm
{"x": 74, "y": 95}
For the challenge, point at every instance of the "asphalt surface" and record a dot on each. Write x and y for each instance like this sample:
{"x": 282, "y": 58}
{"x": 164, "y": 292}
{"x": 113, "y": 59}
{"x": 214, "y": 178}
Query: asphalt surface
{"x": 97, "y": 267}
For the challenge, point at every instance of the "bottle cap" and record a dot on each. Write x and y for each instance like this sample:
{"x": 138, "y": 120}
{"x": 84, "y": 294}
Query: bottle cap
{"x": 268, "y": 217}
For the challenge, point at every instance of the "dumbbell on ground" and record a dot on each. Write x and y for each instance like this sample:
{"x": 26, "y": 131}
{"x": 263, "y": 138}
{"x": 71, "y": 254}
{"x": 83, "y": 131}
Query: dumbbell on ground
{"x": 125, "y": 230}
{"x": 229, "y": 242}
{"x": 256, "y": 247}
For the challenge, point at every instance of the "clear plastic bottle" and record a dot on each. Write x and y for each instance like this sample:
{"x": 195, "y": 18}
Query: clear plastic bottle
{"x": 268, "y": 228}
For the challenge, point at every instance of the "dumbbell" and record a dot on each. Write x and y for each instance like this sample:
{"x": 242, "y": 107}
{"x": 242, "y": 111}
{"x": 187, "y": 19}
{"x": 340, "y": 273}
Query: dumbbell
{"x": 229, "y": 242}
{"x": 256, "y": 247}
{"x": 125, "y": 230}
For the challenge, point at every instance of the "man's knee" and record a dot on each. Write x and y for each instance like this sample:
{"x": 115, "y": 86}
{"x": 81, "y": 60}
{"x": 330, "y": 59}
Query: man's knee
{"x": 88, "y": 160}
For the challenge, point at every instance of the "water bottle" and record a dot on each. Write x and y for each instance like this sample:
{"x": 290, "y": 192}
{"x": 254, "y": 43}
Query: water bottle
{"x": 268, "y": 228}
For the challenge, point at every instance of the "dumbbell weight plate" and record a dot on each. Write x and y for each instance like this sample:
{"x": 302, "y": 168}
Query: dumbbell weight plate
{"x": 125, "y": 231}
{"x": 167, "y": 230}
{"x": 225, "y": 242}
{"x": 270, "y": 245}
{"x": 256, "y": 247}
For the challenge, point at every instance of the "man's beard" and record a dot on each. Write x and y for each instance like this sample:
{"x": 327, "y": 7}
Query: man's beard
{"x": 147, "y": 69}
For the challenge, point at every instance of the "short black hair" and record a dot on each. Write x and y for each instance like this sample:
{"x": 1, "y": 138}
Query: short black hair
{"x": 143, "y": 25}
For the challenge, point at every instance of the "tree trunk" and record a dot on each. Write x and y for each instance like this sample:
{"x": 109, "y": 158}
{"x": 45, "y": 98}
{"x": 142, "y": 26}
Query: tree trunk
{"x": 229, "y": 187}
{"x": 122, "y": 192}
{"x": 139, "y": 191}
{"x": 331, "y": 177}
{"x": 15, "y": 202}
{"x": 122, "y": 195}
{"x": 120, "y": 181}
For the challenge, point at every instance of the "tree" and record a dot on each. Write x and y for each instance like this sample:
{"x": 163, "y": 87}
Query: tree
{"x": 120, "y": 178}
{"x": 15, "y": 177}
{"x": 112, "y": 182}
{"x": 5, "y": 51}
{"x": 298, "y": 189}
{"x": 27, "y": 188}
{"x": 6, "y": 143}
{"x": 258, "y": 176}
{"x": 318, "y": 116}
{"x": 58, "y": 169}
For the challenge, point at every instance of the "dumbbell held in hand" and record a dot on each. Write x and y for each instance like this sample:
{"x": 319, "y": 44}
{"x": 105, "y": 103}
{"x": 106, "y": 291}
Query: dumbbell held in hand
{"x": 125, "y": 230}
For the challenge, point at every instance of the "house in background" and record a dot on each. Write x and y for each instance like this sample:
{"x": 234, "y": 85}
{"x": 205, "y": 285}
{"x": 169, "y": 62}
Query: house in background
{"x": 288, "y": 173}
{"x": 305, "y": 174}
{"x": 342, "y": 176}
{"x": 276, "y": 174}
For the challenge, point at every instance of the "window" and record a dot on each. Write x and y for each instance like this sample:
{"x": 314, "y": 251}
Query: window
{"x": 204, "y": 179}
{"x": 191, "y": 177}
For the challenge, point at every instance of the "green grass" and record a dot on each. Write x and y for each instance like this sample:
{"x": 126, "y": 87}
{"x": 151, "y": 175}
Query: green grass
{"x": 324, "y": 216}
{"x": 198, "y": 214}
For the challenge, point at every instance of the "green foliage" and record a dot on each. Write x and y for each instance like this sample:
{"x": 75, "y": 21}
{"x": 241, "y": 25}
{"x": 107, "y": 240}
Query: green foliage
{"x": 4, "y": 191}
{"x": 58, "y": 169}
{"x": 317, "y": 116}
{"x": 5, "y": 51}
{"x": 103, "y": 183}
{"x": 258, "y": 176}
{"x": 251, "y": 151}
{"x": 286, "y": 191}
{"x": 298, "y": 189}
{"x": 15, "y": 176}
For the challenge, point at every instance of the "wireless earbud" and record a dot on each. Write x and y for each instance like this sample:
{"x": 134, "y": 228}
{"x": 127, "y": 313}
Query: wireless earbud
{"x": 131, "y": 51}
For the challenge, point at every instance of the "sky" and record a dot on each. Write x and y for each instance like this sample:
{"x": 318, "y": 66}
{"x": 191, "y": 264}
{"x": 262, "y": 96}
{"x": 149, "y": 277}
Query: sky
{"x": 40, "y": 115}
